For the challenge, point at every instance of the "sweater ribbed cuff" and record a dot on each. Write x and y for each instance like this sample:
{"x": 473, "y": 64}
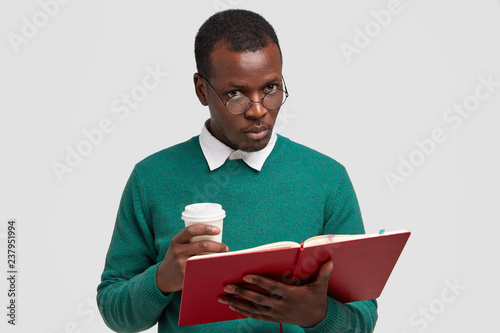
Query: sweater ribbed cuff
{"x": 152, "y": 298}
{"x": 335, "y": 320}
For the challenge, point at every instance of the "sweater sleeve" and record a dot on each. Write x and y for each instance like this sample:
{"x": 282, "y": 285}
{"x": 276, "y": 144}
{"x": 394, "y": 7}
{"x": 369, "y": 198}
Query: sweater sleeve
{"x": 128, "y": 297}
{"x": 343, "y": 216}
{"x": 356, "y": 317}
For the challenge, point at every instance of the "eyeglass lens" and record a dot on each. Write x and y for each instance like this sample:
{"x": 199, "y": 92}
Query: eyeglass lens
{"x": 241, "y": 103}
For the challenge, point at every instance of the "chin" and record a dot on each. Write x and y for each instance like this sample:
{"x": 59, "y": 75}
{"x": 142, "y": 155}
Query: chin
{"x": 252, "y": 149}
{"x": 256, "y": 146}
{"x": 245, "y": 144}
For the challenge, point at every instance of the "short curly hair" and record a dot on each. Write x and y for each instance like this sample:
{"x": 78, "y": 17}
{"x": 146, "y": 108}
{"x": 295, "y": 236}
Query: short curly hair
{"x": 237, "y": 29}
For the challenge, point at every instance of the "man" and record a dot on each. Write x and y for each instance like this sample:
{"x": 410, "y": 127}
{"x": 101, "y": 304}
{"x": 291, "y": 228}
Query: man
{"x": 271, "y": 188}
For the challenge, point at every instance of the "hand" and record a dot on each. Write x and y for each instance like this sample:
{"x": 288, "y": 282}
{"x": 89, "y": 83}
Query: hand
{"x": 170, "y": 273}
{"x": 299, "y": 305}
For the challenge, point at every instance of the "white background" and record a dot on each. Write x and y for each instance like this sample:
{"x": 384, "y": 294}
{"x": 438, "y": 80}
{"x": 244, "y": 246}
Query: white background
{"x": 366, "y": 111}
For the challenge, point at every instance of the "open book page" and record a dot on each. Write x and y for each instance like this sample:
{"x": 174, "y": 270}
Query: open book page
{"x": 328, "y": 239}
{"x": 316, "y": 240}
{"x": 271, "y": 246}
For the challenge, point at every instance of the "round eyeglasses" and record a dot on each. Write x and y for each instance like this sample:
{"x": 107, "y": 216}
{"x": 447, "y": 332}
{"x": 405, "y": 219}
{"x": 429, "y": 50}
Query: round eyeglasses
{"x": 241, "y": 103}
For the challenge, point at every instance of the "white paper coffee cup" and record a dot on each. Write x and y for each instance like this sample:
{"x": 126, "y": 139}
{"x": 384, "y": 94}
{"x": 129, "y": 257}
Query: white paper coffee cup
{"x": 206, "y": 213}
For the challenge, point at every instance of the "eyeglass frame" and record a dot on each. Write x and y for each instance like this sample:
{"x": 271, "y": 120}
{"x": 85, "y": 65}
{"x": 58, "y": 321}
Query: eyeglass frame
{"x": 251, "y": 101}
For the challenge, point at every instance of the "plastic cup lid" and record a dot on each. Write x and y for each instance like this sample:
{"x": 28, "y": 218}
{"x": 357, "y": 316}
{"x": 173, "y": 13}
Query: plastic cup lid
{"x": 203, "y": 211}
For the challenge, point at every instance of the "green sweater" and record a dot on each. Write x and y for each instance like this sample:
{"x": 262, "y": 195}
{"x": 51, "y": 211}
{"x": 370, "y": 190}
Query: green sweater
{"x": 299, "y": 193}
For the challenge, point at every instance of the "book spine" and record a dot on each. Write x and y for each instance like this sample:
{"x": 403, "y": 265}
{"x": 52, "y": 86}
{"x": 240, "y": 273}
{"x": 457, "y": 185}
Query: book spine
{"x": 296, "y": 267}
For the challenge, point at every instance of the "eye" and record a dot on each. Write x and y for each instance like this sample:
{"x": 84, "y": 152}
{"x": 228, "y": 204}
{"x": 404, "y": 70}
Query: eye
{"x": 273, "y": 86}
{"x": 233, "y": 93}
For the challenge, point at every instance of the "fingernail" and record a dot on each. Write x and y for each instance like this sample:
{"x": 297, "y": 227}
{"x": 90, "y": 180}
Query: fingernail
{"x": 248, "y": 279}
{"x": 229, "y": 289}
{"x": 222, "y": 300}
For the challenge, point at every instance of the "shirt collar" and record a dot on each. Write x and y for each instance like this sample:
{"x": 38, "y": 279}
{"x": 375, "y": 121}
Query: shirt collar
{"x": 216, "y": 153}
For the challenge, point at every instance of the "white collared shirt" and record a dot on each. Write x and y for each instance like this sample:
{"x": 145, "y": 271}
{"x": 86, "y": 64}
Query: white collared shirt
{"x": 216, "y": 153}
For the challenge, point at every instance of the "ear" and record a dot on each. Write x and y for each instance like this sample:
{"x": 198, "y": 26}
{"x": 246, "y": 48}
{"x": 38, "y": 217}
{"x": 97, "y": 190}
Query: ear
{"x": 199, "y": 88}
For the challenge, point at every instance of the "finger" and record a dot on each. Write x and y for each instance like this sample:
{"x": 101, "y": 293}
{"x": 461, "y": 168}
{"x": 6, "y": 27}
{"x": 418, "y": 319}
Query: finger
{"x": 255, "y": 297}
{"x": 185, "y": 235}
{"x": 194, "y": 248}
{"x": 274, "y": 287}
{"x": 248, "y": 301}
{"x": 265, "y": 311}
{"x": 257, "y": 316}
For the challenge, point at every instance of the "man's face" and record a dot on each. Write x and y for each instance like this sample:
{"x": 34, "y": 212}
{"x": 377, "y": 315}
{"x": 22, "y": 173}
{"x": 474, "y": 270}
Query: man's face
{"x": 250, "y": 73}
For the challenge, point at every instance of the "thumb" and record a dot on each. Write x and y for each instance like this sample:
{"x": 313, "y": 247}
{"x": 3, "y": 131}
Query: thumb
{"x": 324, "y": 272}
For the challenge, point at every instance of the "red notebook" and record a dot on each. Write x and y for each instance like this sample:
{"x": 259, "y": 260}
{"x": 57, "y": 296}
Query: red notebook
{"x": 362, "y": 266}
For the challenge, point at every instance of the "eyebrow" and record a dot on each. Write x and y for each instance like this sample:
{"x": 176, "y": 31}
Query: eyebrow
{"x": 239, "y": 86}
{"x": 234, "y": 85}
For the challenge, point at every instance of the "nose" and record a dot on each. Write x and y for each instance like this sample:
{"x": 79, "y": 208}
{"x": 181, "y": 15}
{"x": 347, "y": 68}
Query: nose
{"x": 256, "y": 110}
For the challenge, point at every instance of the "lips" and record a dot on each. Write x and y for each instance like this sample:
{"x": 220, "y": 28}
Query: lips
{"x": 257, "y": 129}
{"x": 257, "y": 132}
